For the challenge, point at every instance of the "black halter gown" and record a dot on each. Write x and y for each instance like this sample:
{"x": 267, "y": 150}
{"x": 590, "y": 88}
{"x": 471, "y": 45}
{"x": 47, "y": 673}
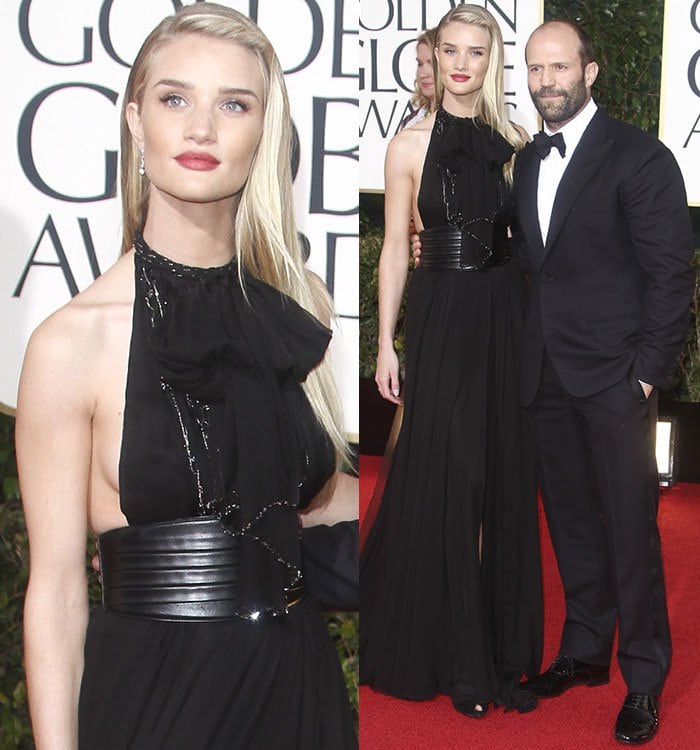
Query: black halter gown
{"x": 216, "y": 424}
{"x": 437, "y": 618}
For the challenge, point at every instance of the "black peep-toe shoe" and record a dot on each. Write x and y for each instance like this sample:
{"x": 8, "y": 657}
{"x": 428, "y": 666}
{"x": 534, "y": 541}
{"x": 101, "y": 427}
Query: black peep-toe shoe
{"x": 469, "y": 708}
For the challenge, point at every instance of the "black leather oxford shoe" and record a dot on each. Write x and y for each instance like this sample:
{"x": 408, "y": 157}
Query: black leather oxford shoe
{"x": 564, "y": 673}
{"x": 638, "y": 719}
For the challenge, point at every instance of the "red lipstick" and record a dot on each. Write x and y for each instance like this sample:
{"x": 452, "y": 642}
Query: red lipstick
{"x": 459, "y": 77}
{"x": 200, "y": 161}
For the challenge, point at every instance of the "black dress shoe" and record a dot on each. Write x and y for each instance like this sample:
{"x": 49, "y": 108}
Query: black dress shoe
{"x": 564, "y": 673}
{"x": 638, "y": 719}
{"x": 523, "y": 701}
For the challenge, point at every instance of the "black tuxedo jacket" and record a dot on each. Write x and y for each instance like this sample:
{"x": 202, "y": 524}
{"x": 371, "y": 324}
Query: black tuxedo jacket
{"x": 609, "y": 293}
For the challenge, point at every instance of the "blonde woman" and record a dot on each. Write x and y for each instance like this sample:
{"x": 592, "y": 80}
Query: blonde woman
{"x": 163, "y": 410}
{"x": 423, "y": 99}
{"x": 450, "y": 579}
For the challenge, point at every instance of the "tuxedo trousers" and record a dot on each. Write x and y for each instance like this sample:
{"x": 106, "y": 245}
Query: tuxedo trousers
{"x": 600, "y": 489}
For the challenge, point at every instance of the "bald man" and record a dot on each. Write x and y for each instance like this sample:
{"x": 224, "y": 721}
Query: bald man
{"x": 605, "y": 237}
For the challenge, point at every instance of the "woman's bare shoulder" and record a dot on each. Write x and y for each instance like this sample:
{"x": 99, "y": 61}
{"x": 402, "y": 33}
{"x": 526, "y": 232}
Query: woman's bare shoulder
{"x": 115, "y": 286}
{"x": 425, "y": 125}
{"x": 407, "y": 148}
{"x": 418, "y": 133}
{"x": 75, "y": 334}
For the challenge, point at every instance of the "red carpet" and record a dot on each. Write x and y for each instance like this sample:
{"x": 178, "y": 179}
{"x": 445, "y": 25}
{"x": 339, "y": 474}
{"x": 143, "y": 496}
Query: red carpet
{"x": 583, "y": 718}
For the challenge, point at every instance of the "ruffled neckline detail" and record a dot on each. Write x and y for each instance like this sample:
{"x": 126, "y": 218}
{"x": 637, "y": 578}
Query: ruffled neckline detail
{"x": 241, "y": 356}
{"x": 202, "y": 335}
{"x": 470, "y": 139}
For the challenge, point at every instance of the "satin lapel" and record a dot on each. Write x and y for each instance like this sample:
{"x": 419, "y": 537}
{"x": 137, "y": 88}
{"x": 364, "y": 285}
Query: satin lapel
{"x": 526, "y": 197}
{"x": 590, "y": 153}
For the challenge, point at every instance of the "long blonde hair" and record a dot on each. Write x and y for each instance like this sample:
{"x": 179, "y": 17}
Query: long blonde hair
{"x": 266, "y": 239}
{"x": 490, "y": 103}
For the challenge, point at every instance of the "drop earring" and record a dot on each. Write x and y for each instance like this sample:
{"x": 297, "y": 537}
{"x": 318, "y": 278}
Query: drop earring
{"x": 142, "y": 164}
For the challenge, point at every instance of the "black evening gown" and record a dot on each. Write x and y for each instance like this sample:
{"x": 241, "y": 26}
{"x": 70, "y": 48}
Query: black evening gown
{"x": 215, "y": 419}
{"x": 436, "y": 618}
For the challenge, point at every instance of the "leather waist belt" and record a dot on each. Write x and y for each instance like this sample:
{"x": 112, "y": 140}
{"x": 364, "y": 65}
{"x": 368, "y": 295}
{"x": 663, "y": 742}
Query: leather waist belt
{"x": 450, "y": 249}
{"x": 178, "y": 570}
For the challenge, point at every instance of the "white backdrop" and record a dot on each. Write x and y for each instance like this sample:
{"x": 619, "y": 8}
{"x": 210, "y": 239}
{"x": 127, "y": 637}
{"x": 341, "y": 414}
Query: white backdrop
{"x": 388, "y": 29}
{"x": 679, "y": 121}
{"x": 65, "y": 65}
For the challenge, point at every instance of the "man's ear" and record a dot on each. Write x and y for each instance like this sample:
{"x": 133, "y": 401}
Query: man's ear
{"x": 590, "y": 73}
{"x": 133, "y": 120}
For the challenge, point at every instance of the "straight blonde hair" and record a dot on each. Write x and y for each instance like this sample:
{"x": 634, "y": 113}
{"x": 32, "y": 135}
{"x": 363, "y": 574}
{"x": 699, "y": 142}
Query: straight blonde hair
{"x": 266, "y": 239}
{"x": 490, "y": 104}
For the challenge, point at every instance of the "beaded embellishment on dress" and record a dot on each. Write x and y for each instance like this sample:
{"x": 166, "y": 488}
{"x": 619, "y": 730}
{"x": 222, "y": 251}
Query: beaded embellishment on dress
{"x": 467, "y": 163}
{"x": 229, "y": 365}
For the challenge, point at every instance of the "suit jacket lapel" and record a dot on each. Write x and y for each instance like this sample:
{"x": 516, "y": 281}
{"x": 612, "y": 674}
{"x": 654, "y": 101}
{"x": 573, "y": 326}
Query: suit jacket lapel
{"x": 590, "y": 153}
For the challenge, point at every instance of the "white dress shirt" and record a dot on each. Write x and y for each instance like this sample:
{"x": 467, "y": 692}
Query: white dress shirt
{"x": 554, "y": 164}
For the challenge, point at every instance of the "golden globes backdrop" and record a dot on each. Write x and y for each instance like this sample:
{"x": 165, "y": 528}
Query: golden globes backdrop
{"x": 388, "y": 30}
{"x": 679, "y": 120}
{"x": 65, "y": 66}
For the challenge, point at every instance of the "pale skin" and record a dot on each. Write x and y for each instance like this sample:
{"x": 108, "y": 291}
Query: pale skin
{"x": 462, "y": 55}
{"x": 202, "y": 95}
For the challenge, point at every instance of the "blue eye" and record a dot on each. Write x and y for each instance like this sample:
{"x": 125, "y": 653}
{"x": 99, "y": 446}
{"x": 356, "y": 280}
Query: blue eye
{"x": 173, "y": 100}
{"x": 234, "y": 105}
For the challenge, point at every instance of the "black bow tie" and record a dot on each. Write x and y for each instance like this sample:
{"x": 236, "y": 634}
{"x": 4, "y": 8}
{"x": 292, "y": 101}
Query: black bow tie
{"x": 544, "y": 143}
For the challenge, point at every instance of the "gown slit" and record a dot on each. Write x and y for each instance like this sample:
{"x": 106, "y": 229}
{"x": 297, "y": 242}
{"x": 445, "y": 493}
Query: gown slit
{"x": 435, "y": 617}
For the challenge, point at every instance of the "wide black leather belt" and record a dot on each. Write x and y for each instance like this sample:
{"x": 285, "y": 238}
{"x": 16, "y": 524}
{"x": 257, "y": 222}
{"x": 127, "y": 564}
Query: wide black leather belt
{"x": 184, "y": 570}
{"x": 451, "y": 249}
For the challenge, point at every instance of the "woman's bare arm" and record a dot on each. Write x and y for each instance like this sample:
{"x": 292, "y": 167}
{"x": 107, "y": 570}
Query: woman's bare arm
{"x": 393, "y": 261}
{"x": 53, "y": 434}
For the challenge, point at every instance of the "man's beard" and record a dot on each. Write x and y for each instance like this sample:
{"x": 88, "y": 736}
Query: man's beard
{"x": 560, "y": 110}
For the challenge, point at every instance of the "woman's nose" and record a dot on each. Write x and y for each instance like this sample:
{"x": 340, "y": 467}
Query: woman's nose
{"x": 200, "y": 125}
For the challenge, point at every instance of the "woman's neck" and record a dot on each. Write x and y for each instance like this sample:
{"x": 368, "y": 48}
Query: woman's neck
{"x": 200, "y": 235}
{"x": 459, "y": 106}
